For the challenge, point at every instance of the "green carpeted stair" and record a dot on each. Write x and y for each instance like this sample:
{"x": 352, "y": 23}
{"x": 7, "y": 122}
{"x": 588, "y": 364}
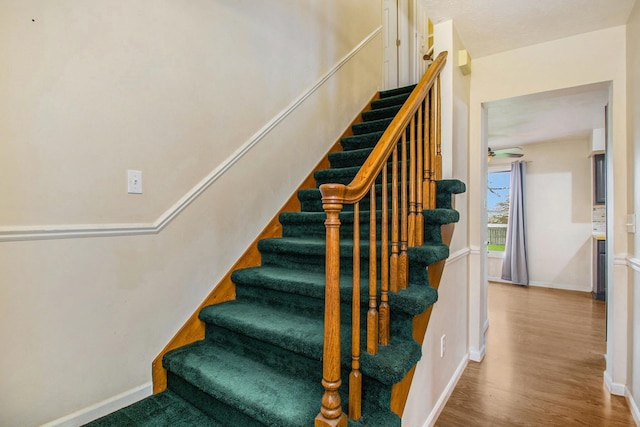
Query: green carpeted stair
{"x": 260, "y": 363}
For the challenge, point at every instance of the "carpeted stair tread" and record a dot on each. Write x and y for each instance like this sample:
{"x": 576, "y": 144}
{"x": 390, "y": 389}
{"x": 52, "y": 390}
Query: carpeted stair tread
{"x": 261, "y": 392}
{"x": 311, "y": 224}
{"x": 296, "y": 332}
{"x": 452, "y": 186}
{"x": 427, "y": 253}
{"x": 397, "y": 91}
{"x": 381, "y": 113}
{"x": 390, "y": 100}
{"x": 343, "y": 175}
{"x": 336, "y": 175}
{"x": 373, "y": 416}
{"x": 344, "y": 159}
{"x": 438, "y": 216}
{"x": 164, "y": 409}
{"x": 355, "y": 142}
{"x": 370, "y": 126}
{"x": 303, "y": 335}
{"x": 418, "y": 296}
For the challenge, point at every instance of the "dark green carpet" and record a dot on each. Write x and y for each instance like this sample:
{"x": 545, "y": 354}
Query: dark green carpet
{"x": 261, "y": 361}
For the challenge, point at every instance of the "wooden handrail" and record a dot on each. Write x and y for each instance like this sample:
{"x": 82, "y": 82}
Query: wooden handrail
{"x": 417, "y": 128}
{"x": 357, "y": 189}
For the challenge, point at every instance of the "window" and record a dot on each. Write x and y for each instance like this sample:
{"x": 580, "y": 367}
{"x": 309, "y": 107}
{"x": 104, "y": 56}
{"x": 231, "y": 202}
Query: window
{"x": 497, "y": 209}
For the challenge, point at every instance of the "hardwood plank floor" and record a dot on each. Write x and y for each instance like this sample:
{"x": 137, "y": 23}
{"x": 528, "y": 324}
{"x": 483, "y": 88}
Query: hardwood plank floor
{"x": 543, "y": 366}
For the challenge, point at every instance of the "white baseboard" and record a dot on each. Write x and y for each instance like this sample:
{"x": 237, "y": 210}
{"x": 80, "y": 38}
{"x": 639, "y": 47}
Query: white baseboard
{"x": 614, "y": 388}
{"x": 561, "y": 286}
{"x": 478, "y": 355}
{"x": 446, "y": 393}
{"x": 103, "y": 408}
{"x": 632, "y": 405}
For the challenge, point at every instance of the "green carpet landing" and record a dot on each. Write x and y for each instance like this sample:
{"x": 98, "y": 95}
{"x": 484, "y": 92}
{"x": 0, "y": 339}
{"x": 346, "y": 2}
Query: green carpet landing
{"x": 260, "y": 363}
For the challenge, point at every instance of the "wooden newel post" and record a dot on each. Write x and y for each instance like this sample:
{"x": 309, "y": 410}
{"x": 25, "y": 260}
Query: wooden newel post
{"x": 331, "y": 408}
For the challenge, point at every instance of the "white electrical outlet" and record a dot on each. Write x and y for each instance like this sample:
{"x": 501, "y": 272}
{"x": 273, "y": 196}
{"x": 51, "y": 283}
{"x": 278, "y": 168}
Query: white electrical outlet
{"x": 631, "y": 223}
{"x": 134, "y": 182}
{"x": 443, "y": 345}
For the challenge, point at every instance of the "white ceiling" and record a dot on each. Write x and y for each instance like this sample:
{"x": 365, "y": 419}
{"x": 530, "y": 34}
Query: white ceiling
{"x": 491, "y": 26}
{"x": 554, "y": 115}
{"x": 487, "y": 27}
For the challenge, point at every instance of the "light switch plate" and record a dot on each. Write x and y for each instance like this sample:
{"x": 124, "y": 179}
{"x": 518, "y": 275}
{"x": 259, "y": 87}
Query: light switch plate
{"x": 134, "y": 182}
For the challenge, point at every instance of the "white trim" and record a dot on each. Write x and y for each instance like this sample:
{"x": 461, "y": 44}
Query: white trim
{"x": 478, "y": 355}
{"x": 614, "y": 388}
{"x": 632, "y": 406}
{"x": 475, "y": 250}
{"x": 103, "y": 408}
{"x": 486, "y": 326}
{"x": 621, "y": 260}
{"x": 538, "y": 284}
{"x": 67, "y": 231}
{"x": 459, "y": 254}
{"x": 634, "y": 263}
{"x": 498, "y": 280}
{"x": 561, "y": 286}
{"x": 446, "y": 393}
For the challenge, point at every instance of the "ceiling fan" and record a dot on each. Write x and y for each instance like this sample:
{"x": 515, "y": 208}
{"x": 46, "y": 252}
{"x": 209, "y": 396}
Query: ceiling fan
{"x": 505, "y": 153}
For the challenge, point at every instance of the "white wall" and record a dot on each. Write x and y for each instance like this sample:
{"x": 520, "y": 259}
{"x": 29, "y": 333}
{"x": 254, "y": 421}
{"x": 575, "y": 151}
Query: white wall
{"x": 91, "y": 89}
{"x": 554, "y": 65}
{"x": 435, "y": 377}
{"x": 633, "y": 126}
{"x": 558, "y": 213}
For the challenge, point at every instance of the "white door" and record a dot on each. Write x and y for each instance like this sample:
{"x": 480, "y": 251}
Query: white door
{"x": 424, "y": 38}
{"x": 390, "y": 36}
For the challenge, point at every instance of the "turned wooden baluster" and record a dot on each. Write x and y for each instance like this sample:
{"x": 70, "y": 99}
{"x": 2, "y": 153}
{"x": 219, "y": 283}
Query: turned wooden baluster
{"x": 438, "y": 170}
{"x": 355, "y": 377}
{"x": 412, "y": 184}
{"x": 426, "y": 178}
{"x": 372, "y": 314}
{"x": 395, "y": 250}
{"x": 403, "y": 272}
{"x": 432, "y": 150}
{"x": 419, "y": 172}
{"x": 331, "y": 414}
{"x": 384, "y": 263}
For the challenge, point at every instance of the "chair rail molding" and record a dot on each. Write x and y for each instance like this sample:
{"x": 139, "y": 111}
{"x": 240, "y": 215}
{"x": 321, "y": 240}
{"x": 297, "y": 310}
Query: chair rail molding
{"x": 69, "y": 231}
{"x": 634, "y": 263}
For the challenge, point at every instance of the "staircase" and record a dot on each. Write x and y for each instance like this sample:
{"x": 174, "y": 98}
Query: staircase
{"x": 261, "y": 362}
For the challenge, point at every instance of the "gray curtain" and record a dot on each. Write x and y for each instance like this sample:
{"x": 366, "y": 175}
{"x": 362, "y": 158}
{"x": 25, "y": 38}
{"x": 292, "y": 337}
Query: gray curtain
{"x": 514, "y": 267}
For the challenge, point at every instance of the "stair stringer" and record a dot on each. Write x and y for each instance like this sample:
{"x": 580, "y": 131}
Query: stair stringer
{"x": 194, "y": 329}
{"x": 400, "y": 390}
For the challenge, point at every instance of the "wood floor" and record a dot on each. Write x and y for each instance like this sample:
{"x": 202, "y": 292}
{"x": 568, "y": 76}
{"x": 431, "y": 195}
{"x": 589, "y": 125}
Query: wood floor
{"x": 543, "y": 366}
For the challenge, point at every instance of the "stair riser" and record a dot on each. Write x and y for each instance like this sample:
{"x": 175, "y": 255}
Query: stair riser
{"x": 432, "y": 232}
{"x": 269, "y": 354}
{"x": 419, "y": 257}
{"x": 316, "y": 205}
{"x": 315, "y": 263}
{"x": 369, "y": 127}
{"x": 311, "y": 306}
{"x": 211, "y": 406}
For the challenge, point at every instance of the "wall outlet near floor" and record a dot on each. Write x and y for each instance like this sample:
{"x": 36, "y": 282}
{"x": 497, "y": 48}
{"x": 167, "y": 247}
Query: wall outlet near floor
{"x": 134, "y": 182}
{"x": 443, "y": 345}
